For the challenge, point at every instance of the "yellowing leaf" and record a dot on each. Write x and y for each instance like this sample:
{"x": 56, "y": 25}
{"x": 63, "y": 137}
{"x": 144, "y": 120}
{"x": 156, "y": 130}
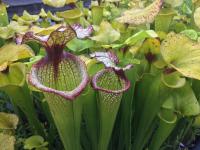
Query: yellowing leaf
{"x": 70, "y": 1}
{"x": 106, "y": 34}
{"x": 70, "y": 14}
{"x": 141, "y": 16}
{"x": 182, "y": 54}
{"x": 7, "y": 142}
{"x": 54, "y": 3}
{"x": 12, "y": 52}
{"x": 8, "y": 121}
{"x": 197, "y": 17}
{"x": 44, "y": 31}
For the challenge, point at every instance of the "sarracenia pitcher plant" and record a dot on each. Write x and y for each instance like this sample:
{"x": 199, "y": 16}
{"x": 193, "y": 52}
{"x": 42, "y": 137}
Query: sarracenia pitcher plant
{"x": 110, "y": 84}
{"x": 62, "y": 77}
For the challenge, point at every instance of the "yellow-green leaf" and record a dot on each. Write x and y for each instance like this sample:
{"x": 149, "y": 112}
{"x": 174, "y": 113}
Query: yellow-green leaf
{"x": 12, "y": 52}
{"x": 182, "y": 54}
{"x": 10, "y": 30}
{"x": 7, "y": 142}
{"x": 42, "y": 13}
{"x": 15, "y": 76}
{"x": 106, "y": 34}
{"x": 70, "y": 14}
{"x": 141, "y": 16}
{"x": 44, "y": 31}
{"x": 70, "y": 1}
{"x": 54, "y": 3}
{"x": 197, "y": 17}
{"x": 174, "y": 3}
{"x": 28, "y": 17}
{"x": 8, "y": 121}
{"x": 53, "y": 17}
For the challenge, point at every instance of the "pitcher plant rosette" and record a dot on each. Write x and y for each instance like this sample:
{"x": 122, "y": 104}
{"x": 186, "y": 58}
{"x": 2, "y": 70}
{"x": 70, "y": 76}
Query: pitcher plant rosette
{"x": 61, "y": 76}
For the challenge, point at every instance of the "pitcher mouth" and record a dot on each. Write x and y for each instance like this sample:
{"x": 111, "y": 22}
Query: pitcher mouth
{"x": 125, "y": 82}
{"x": 34, "y": 78}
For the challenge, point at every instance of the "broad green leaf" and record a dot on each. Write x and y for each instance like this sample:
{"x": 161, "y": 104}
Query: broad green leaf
{"x": 97, "y": 14}
{"x": 141, "y": 16}
{"x": 173, "y": 80}
{"x": 140, "y": 36}
{"x": 54, "y": 3}
{"x": 183, "y": 101}
{"x": 182, "y": 54}
{"x": 106, "y": 34}
{"x": 8, "y": 121}
{"x": 164, "y": 19}
{"x": 79, "y": 45}
{"x": 12, "y": 52}
{"x": 7, "y": 142}
{"x": 35, "y": 141}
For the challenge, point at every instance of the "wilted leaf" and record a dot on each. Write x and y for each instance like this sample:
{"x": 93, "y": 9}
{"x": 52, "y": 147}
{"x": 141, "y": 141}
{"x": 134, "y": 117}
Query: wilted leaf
{"x": 106, "y": 34}
{"x": 182, "y": 54}
{"x": 8, "y": 121}
{"x": 7, "y": 142}
{"x": 141, "y": 16}
{"x": 12, "y": 52}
